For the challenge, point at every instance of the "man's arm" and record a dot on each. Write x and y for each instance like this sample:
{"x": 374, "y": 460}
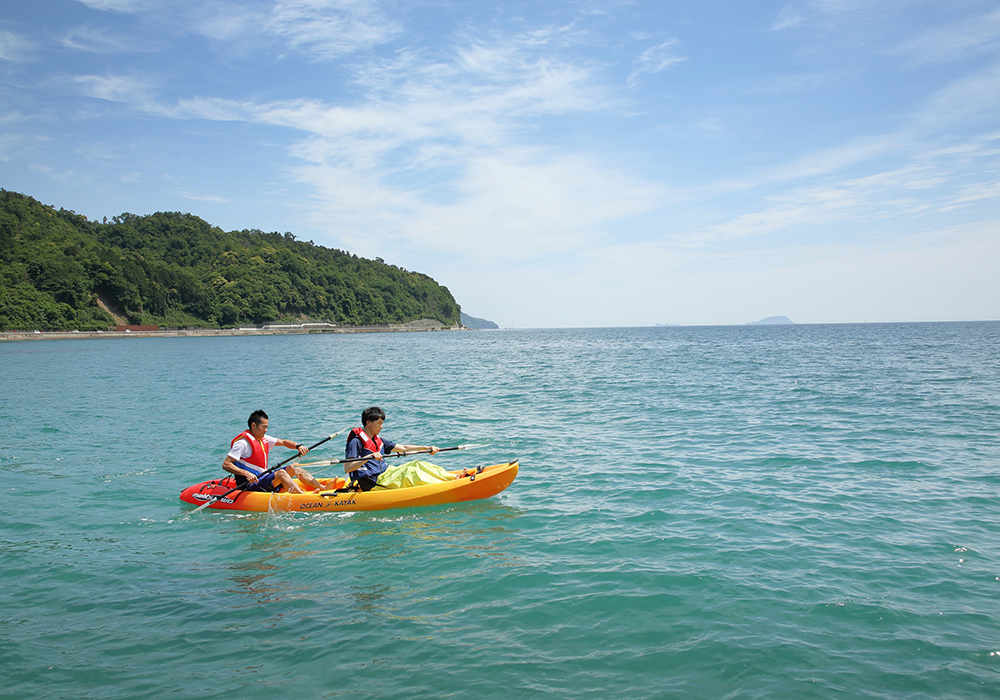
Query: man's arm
{"x": 292, "y": 445}
{"x": 230, "y": 466}
{"x": 353, "y": 452}
{"x": 433, "y": 449}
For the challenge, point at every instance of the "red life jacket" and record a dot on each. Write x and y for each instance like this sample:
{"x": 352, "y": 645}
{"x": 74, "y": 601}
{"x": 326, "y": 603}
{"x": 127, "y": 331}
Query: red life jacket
{"x": 259, "y": 457}
{"x": 373, "y": 445}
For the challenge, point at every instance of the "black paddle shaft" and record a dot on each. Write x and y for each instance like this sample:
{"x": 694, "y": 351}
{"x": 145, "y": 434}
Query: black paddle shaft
{"x": 365, "y": 458}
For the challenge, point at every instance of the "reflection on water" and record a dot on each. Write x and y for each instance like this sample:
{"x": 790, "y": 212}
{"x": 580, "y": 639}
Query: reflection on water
{"x": 256, "y": 579}
{"x": 368, "y": 599}
{"x": 482, "y": 529}
{"x": 323, "y": 557}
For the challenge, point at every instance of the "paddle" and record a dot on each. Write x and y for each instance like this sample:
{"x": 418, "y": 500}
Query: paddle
{"x": 327, "y": 462}
{"x": 275, "y": 468}
{"x": 327, "y": 494}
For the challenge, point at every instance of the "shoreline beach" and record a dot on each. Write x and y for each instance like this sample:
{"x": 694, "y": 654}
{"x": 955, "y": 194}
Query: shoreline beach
{"x": 422, "y": 325}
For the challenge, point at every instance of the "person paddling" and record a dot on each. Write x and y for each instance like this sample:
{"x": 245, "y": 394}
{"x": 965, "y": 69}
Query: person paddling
{"x": 365, "y": 442}
{"x": 247, "y": 459}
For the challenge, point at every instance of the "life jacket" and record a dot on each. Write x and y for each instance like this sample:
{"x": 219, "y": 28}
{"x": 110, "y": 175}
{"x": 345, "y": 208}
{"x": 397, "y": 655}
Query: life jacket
{"x": 373, "y": 445}
{"x": 260, "y": 449}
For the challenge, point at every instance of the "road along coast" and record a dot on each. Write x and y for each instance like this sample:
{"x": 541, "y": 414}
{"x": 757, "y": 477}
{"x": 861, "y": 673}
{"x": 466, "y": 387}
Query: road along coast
{"x": 290, "y": 329}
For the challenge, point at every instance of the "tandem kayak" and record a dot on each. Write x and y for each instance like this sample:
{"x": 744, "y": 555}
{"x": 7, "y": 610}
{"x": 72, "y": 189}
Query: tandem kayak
{"x": 475, "y": 484}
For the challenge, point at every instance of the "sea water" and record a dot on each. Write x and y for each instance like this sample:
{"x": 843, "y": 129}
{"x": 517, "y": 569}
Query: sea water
{"x": 724, "y": 512}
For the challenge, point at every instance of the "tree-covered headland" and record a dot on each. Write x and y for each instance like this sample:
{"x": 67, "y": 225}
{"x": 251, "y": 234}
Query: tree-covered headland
{"x": 60, "y": 271}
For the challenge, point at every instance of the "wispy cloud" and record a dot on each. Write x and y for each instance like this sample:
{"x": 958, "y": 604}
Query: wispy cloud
{"x": 328, "y": 28}
{"x": 12, "y": 145}
{"x": 971, "y": 96}
{"x": 788, "y": 17}
{"x": 123, "y": 6}
{"x": 924, "y": 184}
{"x": 14, "y": 48}
{"x": 467, "y": 136}
{"x": 523, "y": 204}
{"x": 973, "y": 194}
{"x": 480, "y": 95}
{"x": 53, "y": 173}
{"x": 115, "y": 88}
{"x": 458, "y": 120}
{"x": 197, "y": 197}
{"x": 321, "y": 29}
{"x": 103, "y": 41}
{"x": 655, "y": 59}
{"x": 973, "y": 35}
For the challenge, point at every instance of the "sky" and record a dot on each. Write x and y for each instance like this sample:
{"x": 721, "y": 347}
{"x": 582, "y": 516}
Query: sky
{"x": 554, "y": 164}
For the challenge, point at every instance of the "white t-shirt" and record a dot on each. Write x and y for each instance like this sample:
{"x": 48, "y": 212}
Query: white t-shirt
{"x": 241, "y": 449}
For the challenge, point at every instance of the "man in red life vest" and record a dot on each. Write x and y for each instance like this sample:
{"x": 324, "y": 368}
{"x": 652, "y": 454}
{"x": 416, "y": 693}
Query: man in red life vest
{"x": 365, "y": 443}
{"x": 247, "y": 459}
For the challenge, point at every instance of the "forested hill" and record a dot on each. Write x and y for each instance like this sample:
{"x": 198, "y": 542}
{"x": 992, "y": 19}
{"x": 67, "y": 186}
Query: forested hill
{"x": 61, "y": 271}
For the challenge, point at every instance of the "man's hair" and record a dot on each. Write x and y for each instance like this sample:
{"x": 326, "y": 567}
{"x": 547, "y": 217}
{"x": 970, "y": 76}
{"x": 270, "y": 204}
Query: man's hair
{"x": 371, "y": 414}
{"x": 256, "y": 417}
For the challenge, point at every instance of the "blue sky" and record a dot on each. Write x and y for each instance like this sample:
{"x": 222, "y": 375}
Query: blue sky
{"x": 554, "y": 164}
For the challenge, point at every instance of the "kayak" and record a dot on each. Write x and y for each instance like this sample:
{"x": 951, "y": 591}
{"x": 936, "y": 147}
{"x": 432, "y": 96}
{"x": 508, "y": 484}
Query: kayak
{"x": 471, "y": 485}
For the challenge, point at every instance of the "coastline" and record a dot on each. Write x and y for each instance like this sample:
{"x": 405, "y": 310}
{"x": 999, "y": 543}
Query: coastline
{"x": 423, "y": 325}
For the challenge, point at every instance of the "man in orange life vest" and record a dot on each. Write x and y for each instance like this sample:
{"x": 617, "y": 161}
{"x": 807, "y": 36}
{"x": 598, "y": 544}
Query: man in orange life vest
{"x": 247, "y": 459}
{"x": 365, "y": 443}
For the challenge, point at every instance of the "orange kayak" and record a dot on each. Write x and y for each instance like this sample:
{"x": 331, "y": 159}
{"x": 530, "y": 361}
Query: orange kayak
{"x": 473, "y": 486}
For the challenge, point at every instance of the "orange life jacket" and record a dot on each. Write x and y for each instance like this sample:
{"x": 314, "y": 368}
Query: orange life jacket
{"x": 260, "y": 449}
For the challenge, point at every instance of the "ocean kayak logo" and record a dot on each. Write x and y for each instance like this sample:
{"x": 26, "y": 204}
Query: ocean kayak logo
{"x": 323, "y": 504}
{"x": 210, "y": 497}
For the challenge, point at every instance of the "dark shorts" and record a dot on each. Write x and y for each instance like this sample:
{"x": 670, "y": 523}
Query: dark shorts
{"x": 264, "y": 485}
{"x": 365, "y": 483}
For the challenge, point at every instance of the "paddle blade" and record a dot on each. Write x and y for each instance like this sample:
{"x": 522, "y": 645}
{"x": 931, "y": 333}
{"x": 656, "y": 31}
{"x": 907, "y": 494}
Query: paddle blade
{"x": 206, "y": 504}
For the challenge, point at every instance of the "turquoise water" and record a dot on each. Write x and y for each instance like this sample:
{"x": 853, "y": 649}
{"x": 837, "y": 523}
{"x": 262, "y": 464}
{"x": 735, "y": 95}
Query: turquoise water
{"x": 730, "y": 512}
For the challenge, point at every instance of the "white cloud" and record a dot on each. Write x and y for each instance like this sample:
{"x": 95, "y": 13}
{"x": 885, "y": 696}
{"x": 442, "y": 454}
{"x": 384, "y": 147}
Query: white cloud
{"x": 852, "y": 194}
{"x": 457, "y": 123}
{"x": 115, "y": 88}
{"x": 214, "y": 109}
{"x": 969, "y": 97}
{"x": 958, "y": 105}
{"x": 228, "y": 22}
{"x": 803, "y": 208}
{"x": 955, "y": 41}
{"x": 204, "y": 198}
{"x": 322, "y": 29}
{"x": 328, "y": 28}
{"x": 434, "y": 158}
{"x": 14, "y": 48}
{"x": 655, "y": 59}
{"x": 974, "y": 193}
{"x": 525, "y": 204}
{"x": 11, "y": 145}
{"x": 787, "y": 18}
{"x": 100, "y": 40}
{"x": 123, "y": 6}
{"x": 839, "y": 157}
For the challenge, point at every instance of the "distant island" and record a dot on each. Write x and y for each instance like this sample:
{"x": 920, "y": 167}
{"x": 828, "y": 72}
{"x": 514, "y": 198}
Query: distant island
{"x": 477, "y": 324}
{"x": 59, "y": 271}
{"x": 773, "y": 321}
